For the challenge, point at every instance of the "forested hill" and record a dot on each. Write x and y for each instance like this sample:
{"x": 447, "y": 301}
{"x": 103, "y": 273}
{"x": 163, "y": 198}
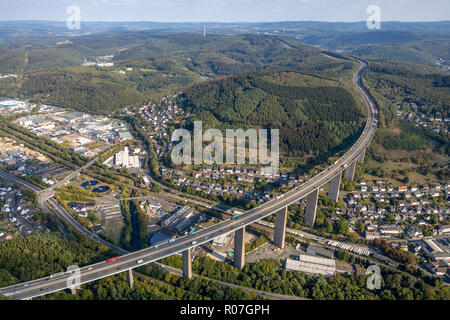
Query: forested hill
{"x": 159, "y": 63}
{"x": 313, "y": 115}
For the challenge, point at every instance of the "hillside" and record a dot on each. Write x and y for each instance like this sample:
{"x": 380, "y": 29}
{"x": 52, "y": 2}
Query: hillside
{"x": 161, "y": 63}
{"x": 418, "y": 47}
{"x": 314, "y": 115}
{"x": 403, "y": 149}
{"x": 87, "y": 91}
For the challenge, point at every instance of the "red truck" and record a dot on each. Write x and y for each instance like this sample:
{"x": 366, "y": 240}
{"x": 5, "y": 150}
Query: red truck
{"x": 112, "y": 259}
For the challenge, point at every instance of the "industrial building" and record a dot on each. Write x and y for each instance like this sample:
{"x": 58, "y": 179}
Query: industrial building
{"x": 159, "y": 237}
{"x": 439, "y": 249}
{"x": 320, "y": 251}
{"x": 177, "y": 216}
{"x": 109, "y": 210}
{"x": 220, "y": 240}
{"x": 312, "y": 264}
{"x": 445, "y": 229}
{"x": 123, "y": 159}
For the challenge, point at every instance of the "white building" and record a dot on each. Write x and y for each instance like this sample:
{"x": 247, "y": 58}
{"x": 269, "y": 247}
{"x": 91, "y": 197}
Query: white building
{"x": 312, "y": 264}
{"x": 220, "y": 241}
{"x": 123, "y": 159}
{"x": 444, "y": 229}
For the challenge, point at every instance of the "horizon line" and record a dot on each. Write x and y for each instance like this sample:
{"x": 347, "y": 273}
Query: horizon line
{"x": 225, "y": 22}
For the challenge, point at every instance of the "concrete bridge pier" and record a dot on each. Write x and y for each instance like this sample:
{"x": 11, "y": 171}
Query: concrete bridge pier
{"x": 130, "y": 278}
{"x": 187, "y": 264}
{"x": 361, "y": 156}
{"x": 349, "y": 173}
{"x": 335, "y": 184}
{"x": 311, "y": 207}
{"x": 73, "y": 291}
{"x": 280, "y": 228}
{"x": 239, "y": 248}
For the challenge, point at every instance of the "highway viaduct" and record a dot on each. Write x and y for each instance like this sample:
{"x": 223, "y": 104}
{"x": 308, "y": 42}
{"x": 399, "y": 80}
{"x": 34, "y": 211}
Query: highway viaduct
{"x": 347, "y": 170}
{"x": 310, "y": 189}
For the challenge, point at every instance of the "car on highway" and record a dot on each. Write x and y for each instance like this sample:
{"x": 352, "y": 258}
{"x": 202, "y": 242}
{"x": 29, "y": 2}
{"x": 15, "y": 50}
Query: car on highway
{"x": 171, "y": 240}
{"x": 194, "y": 242}
{"x": 59, "y": 274}
{"x": 139, "y": 261}
{"x": 90, "y": 268}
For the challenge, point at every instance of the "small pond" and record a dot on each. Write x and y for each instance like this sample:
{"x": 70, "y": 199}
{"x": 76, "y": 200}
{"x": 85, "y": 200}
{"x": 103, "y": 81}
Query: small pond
{"x": 101, "y": 189}
{"x": 89, "y": 183}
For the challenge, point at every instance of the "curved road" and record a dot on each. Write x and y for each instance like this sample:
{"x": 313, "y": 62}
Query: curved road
{"x": 61, "y": 212}
{"x": 132, "y": 260}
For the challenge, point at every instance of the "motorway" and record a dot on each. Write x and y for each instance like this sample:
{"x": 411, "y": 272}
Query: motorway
{"x": 128, "y": 261}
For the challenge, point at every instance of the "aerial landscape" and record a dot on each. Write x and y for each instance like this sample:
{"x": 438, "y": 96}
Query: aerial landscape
{"x": 224, "y": 152}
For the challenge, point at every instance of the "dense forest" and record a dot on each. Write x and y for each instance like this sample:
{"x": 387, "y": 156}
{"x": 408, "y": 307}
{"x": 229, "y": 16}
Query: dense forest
{"x": 83, "y": 91}
{"x": 406, "y": 82}
{"x": 39, "y": 255}
{"x": 161, "y": 63}
{"x": 269, "y": 275}
{"x": 313, "y": 115}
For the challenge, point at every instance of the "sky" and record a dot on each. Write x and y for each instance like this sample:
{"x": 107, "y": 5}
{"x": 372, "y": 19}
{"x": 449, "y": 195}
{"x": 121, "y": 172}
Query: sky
{"x": 225, "y": 10}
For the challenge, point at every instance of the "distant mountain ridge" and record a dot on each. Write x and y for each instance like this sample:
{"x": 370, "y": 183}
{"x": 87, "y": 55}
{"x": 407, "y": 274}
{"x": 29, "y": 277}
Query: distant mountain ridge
{"x": 14, "y": 29}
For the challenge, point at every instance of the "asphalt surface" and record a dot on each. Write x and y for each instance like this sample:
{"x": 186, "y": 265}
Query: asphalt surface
{"x": 62, "y": 213}
{"x": 128, "y": 261}
{"x": 46, "y": 194}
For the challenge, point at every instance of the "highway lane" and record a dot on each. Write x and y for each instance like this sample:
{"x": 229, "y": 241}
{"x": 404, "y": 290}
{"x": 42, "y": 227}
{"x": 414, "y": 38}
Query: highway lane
{"x": 98, "y": 271}
{"x": 157, "y": 252}
{"x": 46, "y": 194}
{"x": 13, "y": 178}
{"x": 66, "y": 216}
{"x": 62, "y": 213}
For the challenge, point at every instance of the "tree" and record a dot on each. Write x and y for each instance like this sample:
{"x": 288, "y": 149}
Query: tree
{"x": 360, "y": 227}
{"x": 329, "y": 227}
{"x": 389, "y": 216}
{"x": 341, "y": 226}
{"x": 434, "y": 218}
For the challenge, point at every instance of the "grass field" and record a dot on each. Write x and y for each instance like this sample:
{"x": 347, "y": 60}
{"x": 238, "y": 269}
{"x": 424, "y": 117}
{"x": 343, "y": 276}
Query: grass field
{"x": 397, "y": 161}
{"x": 113, "y": 229}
